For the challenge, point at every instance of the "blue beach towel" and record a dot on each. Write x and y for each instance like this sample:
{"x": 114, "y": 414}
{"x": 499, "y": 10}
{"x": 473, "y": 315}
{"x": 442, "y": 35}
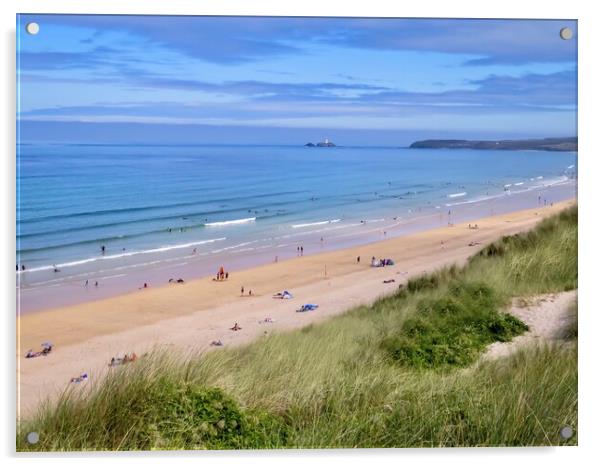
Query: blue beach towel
{"x": 308, "y": 307}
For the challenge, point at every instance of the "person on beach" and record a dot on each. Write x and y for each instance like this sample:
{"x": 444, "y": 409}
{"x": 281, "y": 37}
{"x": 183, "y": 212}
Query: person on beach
{"x": 86, "y": 284}
{"x": 22, "y": 267}
{"x": 250, "y": 292}
{"x": 103, "y": 249}
{"x": 242, "y": 290}
{"x": 96, "y": 284}
{"x": 227, "y": 275}
{"x": 358, "y": 259}
{"x": 301, "y": 250}
{"x": 297, "y": 250}
{"x": 236, "y": 327}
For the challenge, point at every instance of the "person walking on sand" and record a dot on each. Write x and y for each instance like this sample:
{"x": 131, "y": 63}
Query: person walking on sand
{"x": 86, "y": 284}
{"x": 301, "y": 250}
{"x": 96, "y": 284}
{"x": 358, "y": 259}
{"x": 242, "y": 290}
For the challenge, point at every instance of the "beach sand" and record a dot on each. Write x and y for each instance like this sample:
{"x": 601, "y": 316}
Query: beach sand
{"x": 187, "y": 317}
{"x": 547, "y": 316}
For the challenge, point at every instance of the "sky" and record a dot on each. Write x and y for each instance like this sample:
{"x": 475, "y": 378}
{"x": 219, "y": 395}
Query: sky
{"x": 253, "y": 80}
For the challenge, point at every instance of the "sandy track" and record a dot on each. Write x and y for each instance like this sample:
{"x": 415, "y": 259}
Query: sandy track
{"x": 547, "y": 317}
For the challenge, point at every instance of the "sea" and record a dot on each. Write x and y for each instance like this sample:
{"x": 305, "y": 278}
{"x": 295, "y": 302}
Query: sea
{"x": 121, "y": 215}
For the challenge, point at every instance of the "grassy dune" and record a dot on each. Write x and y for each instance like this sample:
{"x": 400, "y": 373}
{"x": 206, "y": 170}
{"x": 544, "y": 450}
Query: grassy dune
{"x": 403, "y": 372}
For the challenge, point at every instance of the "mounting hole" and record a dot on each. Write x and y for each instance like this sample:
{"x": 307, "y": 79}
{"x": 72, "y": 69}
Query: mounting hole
{"x": 566, "y": 432}
{"x": 33, "y": 438}
{"x": 32, "y": 28}
{"x": 566, "y": 33}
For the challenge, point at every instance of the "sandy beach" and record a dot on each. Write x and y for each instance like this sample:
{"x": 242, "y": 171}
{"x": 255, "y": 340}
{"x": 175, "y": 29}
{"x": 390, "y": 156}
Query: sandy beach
{"x": 187, "y": 317}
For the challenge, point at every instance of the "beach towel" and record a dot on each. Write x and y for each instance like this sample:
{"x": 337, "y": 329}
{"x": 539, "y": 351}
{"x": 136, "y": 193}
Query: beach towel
{"x": 308, "y": 307}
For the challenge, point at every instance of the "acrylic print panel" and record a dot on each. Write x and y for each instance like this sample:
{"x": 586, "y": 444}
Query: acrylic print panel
{"x": 273, "y": 232}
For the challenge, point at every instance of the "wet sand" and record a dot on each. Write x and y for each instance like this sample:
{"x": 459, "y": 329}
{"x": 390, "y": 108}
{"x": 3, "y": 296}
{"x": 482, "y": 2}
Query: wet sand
{"x": 189, "y": 316}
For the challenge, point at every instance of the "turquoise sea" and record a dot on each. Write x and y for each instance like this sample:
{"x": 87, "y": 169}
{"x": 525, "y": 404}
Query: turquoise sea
{"x": 154, "y": 206}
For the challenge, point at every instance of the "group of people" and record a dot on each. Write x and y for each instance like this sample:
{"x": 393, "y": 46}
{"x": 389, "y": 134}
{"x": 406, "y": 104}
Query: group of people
{"x": 81, "y": 378}
{"x": 124, "y": 360}
{"x": 473, "y": 227}
{"x": 45, "y": 351}
{"x": 299, "y": 250}
{"x": 221, "y": 274}
{"x": 381, "y": 262}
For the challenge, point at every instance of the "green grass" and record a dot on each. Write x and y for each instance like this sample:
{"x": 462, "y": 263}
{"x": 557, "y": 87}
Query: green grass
{"x": 452, "y": 330}
{"x": 399, "y": 373}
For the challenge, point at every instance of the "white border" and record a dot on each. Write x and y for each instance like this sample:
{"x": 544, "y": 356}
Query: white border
{"x": 589, "y": 193}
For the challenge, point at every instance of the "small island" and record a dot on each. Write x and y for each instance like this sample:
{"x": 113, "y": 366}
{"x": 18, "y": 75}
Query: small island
{"x": 547, "y": 144}
{"x": 324, "y": 143}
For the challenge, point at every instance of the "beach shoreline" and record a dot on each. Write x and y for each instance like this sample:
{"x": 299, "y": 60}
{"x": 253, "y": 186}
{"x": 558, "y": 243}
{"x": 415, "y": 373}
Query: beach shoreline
{"x": 123, "y": 277}
{"x": 187, "y": 317}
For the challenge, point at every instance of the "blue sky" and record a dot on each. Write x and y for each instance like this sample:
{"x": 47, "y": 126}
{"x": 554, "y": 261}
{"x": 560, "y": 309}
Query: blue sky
{"x": 122, "y": 79}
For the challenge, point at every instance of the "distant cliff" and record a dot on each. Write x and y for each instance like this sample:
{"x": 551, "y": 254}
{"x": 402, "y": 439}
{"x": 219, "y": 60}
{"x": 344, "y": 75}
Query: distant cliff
{"x": 549, "y": 144}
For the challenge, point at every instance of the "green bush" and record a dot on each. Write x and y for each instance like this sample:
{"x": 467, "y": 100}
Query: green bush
{"x": 163, "y": 414}
{"x": 452, "y": 330}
